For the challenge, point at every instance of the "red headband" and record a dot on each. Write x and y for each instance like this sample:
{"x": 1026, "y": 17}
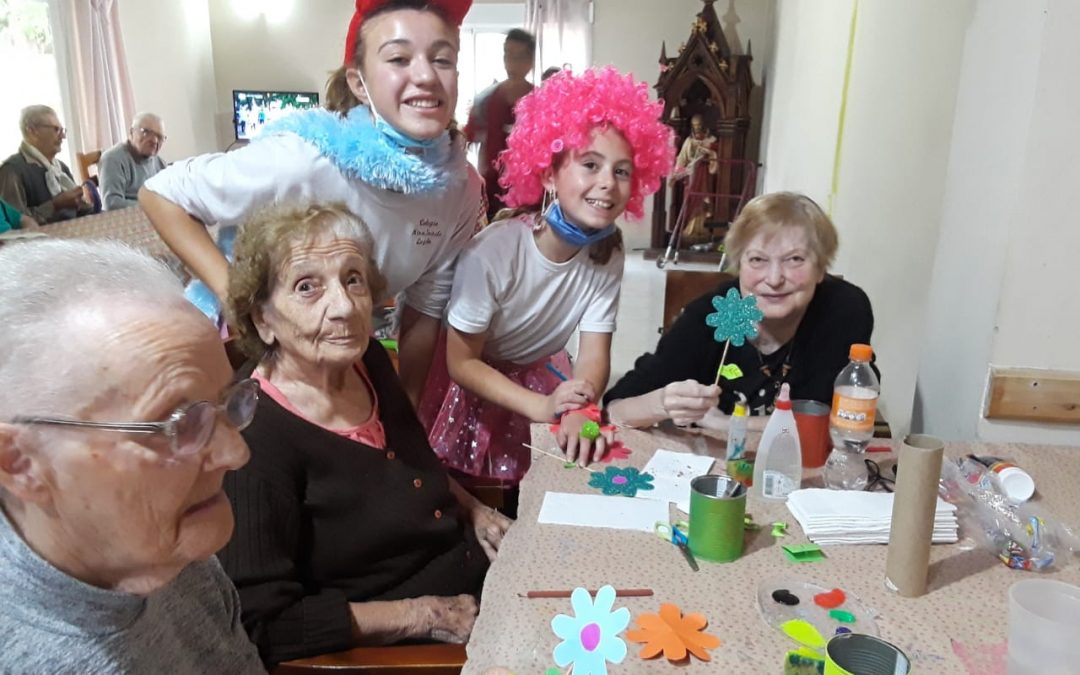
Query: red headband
{"x": 454, "y": 10}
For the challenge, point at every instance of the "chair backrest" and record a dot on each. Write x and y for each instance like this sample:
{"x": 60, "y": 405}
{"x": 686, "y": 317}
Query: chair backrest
{"x": 87, "y": 160}
{"x": 683, "y": 286}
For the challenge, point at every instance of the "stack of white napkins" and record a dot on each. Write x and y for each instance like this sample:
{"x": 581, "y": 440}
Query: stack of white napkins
{"x": 855, "y": 517}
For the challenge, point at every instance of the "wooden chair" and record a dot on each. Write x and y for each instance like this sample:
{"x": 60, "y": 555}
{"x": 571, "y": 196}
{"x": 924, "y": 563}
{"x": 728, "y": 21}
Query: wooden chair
{"x": 436, "y": 659}
{"x": 683, "y": 286}
{"x": 86, "y": 161}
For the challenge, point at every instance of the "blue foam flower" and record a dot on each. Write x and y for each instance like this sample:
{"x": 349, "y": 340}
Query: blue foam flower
{"x": 735, "y": 317}
{"x": 590, "y": 638}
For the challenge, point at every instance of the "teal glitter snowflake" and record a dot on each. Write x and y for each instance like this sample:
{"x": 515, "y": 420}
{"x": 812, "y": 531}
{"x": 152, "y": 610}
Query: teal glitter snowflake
{"x": 735, "y": 317}
{"x": 616, "y": 480}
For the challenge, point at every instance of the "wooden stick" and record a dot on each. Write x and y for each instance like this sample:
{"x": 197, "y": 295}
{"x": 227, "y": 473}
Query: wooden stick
{"x": 554, "y": 456}
{"x": 723, "y": 357}
{"x": 619, "y": 593}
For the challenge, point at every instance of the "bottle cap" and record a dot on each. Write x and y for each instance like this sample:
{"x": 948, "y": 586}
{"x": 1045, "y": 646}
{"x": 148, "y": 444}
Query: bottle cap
{"x": 860, "y": 352}
{"x": 783, "y": 401}
{"x": 740, "y": 409}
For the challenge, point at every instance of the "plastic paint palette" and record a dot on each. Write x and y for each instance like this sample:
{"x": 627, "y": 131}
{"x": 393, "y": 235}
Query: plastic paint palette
{"x": 807, "y": 623}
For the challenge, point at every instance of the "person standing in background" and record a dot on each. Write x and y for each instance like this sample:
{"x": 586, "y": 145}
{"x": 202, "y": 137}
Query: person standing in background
{"x": 124, "y": 167}
{"x": 492, "y": 115}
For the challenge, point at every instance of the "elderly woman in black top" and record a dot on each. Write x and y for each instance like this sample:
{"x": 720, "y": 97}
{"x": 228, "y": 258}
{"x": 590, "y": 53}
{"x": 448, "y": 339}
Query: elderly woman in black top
{"x": 781, "y": 245}
{"x": 348, "y": 528}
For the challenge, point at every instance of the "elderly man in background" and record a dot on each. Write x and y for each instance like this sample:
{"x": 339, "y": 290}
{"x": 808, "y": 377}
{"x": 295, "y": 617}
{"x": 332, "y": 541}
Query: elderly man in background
{"x": 124, "y": 167}
{"x": 115, "y": 437}
{"x": 34, "y": 180}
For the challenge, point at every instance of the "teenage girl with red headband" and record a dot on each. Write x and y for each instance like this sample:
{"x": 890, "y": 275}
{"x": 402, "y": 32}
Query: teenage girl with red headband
{"x": 382, "y": 147}
{"x": 592, "y": 147}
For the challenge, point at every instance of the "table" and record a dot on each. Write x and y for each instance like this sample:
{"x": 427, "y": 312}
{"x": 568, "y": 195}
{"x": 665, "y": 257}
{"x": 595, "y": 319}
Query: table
{"x": 129, "y": 225}
{"x": 959, "y": 626}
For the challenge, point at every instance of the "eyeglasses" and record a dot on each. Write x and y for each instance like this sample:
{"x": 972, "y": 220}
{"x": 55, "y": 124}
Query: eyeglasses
{"x": 876, "y": 479}
{"x": 60, "y": 131}
{"x": 189, "y": 428}
{"x": 150, "y": 132}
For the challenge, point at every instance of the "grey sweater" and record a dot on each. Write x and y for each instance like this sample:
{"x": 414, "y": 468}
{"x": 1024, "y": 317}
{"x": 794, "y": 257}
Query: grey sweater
{"x": 121, "y": 176}
{"x": 53, "y": 623}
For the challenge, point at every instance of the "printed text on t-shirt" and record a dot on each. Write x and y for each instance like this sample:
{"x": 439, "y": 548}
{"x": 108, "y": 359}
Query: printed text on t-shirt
{"x": 426, "y": 232}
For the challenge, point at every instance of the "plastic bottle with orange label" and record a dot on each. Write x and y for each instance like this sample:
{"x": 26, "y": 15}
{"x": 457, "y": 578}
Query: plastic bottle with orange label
{"x": 851, "y": 423}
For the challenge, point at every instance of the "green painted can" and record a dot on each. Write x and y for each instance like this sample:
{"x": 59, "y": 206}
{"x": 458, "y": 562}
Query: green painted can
{"x": 857, "y": 654}
{"x": 716, "y": 521}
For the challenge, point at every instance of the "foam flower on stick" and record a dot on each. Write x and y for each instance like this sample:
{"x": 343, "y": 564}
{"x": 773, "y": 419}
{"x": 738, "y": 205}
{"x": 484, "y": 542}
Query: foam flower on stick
{"x": 590, "y": 638}
{"x": 734, "y": 320}
{"x": 673, "y": 634}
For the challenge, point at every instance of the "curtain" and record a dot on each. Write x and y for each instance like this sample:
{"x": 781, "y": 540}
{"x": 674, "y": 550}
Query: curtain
{"x": 95, "y": 83}
{"x": 563, "y": 30}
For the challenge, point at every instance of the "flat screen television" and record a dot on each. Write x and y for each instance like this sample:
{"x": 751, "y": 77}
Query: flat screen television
{"x": 252, "y": 110}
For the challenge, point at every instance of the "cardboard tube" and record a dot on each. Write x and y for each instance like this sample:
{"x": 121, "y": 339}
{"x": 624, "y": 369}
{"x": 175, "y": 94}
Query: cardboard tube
{"x": 912, "y": 528}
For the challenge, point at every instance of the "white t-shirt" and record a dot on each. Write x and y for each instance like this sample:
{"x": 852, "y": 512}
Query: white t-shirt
{"x": 528, "y": 305}
{"x": 417, "y": 236}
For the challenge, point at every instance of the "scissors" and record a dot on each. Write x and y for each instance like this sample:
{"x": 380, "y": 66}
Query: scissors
{"x": 676, "y": 534}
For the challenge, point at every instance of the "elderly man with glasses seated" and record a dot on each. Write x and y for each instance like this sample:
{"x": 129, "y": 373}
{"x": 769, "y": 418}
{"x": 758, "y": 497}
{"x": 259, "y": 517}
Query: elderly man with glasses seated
{"x": 34, "y": 180}
{"x": 124, "y": 167}
{"x": 115, "y": 437}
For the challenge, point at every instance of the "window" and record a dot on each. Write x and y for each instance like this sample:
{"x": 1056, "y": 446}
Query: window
{"x": 26, "y": 40}
{"x": 480, "y": 62}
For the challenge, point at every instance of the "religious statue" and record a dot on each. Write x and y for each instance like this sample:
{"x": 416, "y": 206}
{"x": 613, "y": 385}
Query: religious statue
{"x": 696, "y": 162}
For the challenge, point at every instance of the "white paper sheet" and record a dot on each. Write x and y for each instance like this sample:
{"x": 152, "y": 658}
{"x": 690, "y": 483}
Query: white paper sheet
{"x": 672, "y": 473}
{"x": 617, "y": 513}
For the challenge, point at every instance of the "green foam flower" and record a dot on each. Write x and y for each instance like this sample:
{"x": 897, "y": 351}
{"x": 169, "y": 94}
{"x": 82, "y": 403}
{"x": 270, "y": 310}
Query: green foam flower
{"x": 625, "y": 481}
{"x": 735, "y": 317}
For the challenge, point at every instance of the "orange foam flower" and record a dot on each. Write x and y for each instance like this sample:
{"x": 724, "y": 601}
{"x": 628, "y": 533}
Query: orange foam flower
{"x": 673, "y": 634}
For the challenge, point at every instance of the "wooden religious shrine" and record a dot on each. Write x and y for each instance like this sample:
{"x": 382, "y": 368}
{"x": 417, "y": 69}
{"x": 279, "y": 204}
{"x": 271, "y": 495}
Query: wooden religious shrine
{"x": 706, "y": 93}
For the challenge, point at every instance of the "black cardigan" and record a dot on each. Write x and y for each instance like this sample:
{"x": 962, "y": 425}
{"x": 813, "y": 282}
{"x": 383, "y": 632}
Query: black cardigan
{"x": 322, "y": 521}
{"x": 838, "y": 316}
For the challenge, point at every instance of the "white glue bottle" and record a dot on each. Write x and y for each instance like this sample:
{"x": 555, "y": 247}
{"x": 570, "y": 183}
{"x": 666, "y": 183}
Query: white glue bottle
{"x": 778, "y": 468}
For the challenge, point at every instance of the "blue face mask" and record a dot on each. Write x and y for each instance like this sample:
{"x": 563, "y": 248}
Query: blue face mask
{"x": 395, "y": 135}
{"x": 571, "y": 233}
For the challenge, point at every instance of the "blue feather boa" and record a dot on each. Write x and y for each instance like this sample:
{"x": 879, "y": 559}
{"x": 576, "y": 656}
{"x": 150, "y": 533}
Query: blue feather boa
{"x": 361, "y": 151}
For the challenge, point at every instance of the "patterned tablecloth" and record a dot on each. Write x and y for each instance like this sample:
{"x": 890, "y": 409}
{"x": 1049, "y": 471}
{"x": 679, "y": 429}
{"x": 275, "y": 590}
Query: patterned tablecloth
{"x": 128, "y": 225}
{"x": 960, "y": 626}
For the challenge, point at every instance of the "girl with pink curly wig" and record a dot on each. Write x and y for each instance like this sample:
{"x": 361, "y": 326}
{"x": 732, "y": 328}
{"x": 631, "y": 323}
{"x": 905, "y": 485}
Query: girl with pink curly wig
{"x": 592, "y": 145}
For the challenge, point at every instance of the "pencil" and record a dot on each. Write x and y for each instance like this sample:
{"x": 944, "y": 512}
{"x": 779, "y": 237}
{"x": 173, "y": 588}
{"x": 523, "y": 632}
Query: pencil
{"x": 619, "y": 593}
{"x": 555, "y": 371}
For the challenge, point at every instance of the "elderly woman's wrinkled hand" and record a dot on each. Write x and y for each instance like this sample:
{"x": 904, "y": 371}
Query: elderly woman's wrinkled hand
{"x": 449, "y": 619}
{"x": 687, "y": 402}
{"x": 490, "y": 526}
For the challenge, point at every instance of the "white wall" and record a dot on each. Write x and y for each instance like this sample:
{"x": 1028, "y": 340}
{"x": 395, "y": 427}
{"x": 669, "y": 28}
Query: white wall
{"x": 1005, "y": 277}
{"x": 171, "y": 65}
{"x": 891, "y": 163}
{"x": 294, "y": 52}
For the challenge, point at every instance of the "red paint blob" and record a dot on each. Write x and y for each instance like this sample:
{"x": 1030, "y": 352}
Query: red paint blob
{"x": 830, "y": 600}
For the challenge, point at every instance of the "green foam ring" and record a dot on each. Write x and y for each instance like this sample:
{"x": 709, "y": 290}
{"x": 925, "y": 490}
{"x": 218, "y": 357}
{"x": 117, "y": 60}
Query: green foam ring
{"x": 716, "y": 521}
{"x": 590, "y": 431}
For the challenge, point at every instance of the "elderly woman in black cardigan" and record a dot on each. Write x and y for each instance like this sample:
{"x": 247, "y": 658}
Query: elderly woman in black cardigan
{"x": 349, "y": 530}
{"x": 781, "y": 245}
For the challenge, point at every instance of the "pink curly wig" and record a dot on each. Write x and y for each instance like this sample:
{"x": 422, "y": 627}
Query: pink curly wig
{"x": 561, "y": 115}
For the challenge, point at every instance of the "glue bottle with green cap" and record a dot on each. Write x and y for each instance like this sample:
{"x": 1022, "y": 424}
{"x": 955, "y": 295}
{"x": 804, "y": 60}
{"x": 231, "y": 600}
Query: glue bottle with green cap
{"x": 739, "y": 466}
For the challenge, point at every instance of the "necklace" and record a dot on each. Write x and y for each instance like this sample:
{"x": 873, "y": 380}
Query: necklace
{"x": 767, "y": 370}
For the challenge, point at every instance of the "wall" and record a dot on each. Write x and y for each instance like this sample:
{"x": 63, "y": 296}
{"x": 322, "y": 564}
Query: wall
{"x": 293, "y": 52}
{"x": 890, "y": 167}
{"x": 628, "y": 34}
{"x": 1005, "y": 277}
{"x": 171, "y": 65}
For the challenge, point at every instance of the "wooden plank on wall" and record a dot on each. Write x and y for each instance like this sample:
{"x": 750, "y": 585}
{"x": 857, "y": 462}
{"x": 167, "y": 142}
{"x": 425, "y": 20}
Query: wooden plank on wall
{"x": 1034, "y": 395}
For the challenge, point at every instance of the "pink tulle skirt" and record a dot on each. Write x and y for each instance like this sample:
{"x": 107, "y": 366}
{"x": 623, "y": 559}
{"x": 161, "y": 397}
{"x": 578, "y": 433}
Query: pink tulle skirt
{"x": 475, "y": 436}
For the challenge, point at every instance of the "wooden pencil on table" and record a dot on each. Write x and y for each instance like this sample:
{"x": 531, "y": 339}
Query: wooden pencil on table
{"x": 619, "y": 593}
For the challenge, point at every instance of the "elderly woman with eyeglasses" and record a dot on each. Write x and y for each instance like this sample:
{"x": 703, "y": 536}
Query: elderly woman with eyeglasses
{"x": 781, "y": 246}
{"x": 118, "y": 423}
{"x": 349, "y": 530}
